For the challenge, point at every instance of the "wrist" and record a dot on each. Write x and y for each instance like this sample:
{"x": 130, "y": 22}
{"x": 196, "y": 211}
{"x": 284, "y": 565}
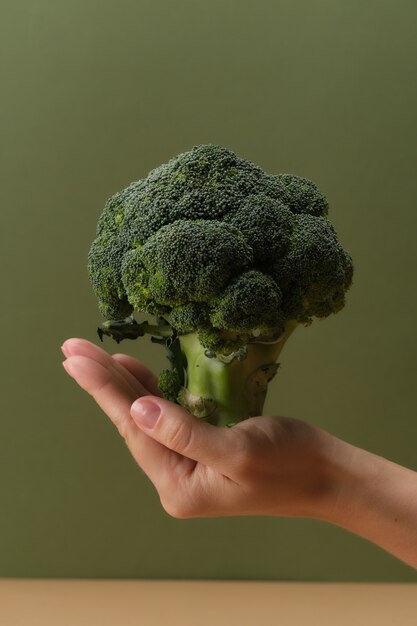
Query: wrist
{"x": 375, "y": 498}
{"x": 349, "y": 475}
{"x": 351, "y": 471}
{"x": 330, "y": 477}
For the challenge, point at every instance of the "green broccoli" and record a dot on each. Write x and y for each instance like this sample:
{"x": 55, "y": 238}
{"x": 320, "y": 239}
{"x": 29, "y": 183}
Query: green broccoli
{"x": 229, "y": 260}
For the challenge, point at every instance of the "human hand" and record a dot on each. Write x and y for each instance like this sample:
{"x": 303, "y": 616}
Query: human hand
{"x": 262, "y": 466}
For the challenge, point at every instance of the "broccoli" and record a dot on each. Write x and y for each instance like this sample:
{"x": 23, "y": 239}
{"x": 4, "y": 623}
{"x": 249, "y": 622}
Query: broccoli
{"x": 228, "y": 260}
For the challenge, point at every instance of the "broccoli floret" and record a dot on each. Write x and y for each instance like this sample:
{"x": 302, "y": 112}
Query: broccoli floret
{"x": 169, "y": 382}
{"x": 266, "y": 224}
{"x": 230, "y": 259}
{"x": 105, "y": 259}
{"x": 183, "y": 261}
{"x": 315, "y": 273}
{"x": 300, "y": 195}
{"x": 252, "y": 300}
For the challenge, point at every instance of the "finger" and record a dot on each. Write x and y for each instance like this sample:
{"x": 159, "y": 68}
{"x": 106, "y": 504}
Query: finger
{"x": 74, "y": 344}
{"x": 82, "y": 347}
{"x": 114, "y": 396}
{"x": 185, "y": 434}
{"x": 111, "y": 392}
{"x": 144, "y": 375}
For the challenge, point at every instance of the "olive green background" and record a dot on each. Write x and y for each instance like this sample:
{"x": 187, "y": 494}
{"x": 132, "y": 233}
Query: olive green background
{"x": 95, "y": 93}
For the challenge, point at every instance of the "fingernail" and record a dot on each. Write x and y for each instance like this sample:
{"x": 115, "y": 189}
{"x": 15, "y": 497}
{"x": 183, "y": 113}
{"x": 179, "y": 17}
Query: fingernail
{"x": 64, "y": 349}
{"x": 145, "y": 412}
{"x": 67, "y": 368}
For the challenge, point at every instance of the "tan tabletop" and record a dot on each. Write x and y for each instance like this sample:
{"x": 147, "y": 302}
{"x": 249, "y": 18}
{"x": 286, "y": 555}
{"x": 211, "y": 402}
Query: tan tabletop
{"x": 44, "y": 602}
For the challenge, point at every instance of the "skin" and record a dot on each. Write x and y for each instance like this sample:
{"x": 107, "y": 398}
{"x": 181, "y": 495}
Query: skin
{"x": 265, "y": 465}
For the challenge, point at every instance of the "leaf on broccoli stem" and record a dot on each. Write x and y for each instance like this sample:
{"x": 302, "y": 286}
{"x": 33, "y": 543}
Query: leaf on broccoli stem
{"x": 257, "y": 385}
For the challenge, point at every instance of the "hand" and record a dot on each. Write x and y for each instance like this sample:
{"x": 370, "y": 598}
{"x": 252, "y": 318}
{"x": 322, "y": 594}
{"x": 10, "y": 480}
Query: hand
{"x": 262, "y": 466}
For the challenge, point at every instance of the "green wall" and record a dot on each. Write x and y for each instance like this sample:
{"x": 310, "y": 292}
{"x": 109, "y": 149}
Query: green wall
{"x": 95, "y": 93}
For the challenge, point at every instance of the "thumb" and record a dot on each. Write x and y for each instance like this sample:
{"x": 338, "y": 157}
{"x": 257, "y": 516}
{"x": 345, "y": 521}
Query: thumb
{"x": 171, "y": 425}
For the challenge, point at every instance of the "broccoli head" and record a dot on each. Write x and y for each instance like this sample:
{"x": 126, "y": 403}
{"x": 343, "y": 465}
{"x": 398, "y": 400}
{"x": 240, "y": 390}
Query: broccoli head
{"x": 227, "y": 257}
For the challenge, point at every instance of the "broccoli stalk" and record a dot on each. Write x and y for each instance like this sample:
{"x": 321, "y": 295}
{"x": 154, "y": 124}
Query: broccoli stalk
{"x": 226, "y": 391}
{"x": 229, "y": 260}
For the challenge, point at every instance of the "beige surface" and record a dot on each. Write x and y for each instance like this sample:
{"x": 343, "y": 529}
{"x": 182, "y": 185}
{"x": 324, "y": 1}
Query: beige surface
{"x": 203, "y": 603}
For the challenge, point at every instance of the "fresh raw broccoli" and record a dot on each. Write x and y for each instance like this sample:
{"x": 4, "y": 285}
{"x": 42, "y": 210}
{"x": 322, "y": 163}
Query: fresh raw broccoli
{"x": 229, "y": 260}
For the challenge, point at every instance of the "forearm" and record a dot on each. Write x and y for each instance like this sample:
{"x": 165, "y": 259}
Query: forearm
{"x": 376, "y": 499}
